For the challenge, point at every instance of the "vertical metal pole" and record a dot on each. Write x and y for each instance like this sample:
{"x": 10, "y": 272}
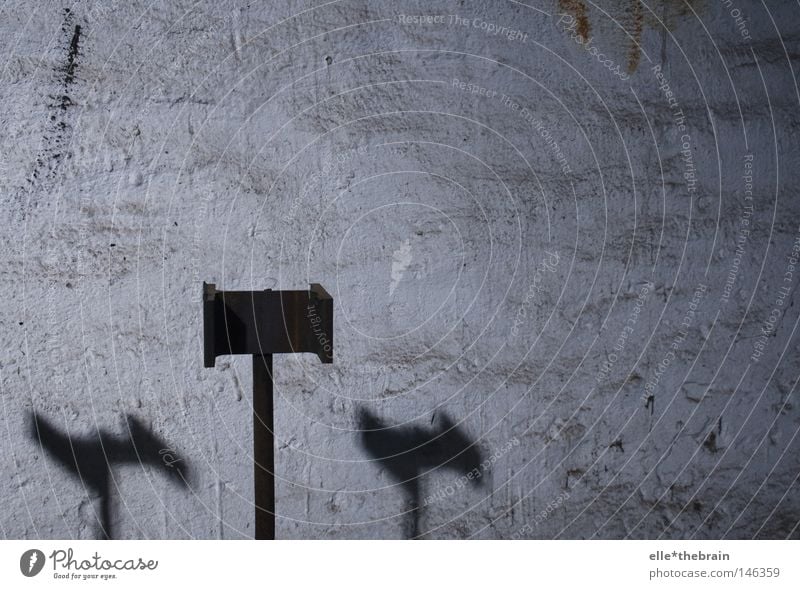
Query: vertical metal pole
{"x": 263, "y": 447}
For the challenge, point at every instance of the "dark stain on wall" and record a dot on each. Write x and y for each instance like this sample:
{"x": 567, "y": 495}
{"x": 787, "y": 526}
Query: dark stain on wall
{"x": 72, "y": 54}
{"x": 58, "y": 131}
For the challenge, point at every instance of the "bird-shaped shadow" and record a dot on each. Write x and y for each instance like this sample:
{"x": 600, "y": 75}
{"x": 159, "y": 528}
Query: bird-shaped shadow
{"x": 91, "y": 458}
{"x": 407, "y": 451}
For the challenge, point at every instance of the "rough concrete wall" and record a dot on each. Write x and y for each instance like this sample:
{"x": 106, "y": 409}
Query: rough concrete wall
{"x": 520, "y": 235}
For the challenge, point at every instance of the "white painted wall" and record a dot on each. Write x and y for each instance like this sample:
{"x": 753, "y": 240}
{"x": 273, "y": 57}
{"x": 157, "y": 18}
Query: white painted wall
{"x": 273, "y": 144}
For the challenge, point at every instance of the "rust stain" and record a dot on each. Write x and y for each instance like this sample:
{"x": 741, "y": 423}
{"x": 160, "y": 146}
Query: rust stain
{"x": 671, "y": 13}
{"x": 578, "y": 10}
{"x": 634, "y": 52}
{"x": 634, "y": 18}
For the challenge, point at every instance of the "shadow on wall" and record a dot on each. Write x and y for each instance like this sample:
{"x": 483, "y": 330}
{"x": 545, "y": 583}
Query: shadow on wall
{"x": 405, "y": 452}
{"x": 91, "y": 458}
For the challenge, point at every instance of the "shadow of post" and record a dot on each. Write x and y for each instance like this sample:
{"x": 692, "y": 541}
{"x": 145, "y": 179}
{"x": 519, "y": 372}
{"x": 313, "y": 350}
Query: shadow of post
{"x": 91, "y": 458}
{"x": 407, "y": 451}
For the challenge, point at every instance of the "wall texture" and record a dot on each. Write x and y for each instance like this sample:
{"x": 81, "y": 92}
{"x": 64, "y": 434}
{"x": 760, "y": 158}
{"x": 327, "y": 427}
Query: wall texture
{"x": 567, "y": 232}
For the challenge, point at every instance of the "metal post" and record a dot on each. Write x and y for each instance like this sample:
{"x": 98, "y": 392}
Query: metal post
{"x": 263, "y": 447}
{"x": 260, "y": 324}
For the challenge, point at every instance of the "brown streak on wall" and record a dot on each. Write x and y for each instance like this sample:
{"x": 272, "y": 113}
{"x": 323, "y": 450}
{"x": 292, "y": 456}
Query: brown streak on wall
{"x": 635, "y": 53}
{"x": 578, "y": 10}
{"x": 633, "y": 17}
